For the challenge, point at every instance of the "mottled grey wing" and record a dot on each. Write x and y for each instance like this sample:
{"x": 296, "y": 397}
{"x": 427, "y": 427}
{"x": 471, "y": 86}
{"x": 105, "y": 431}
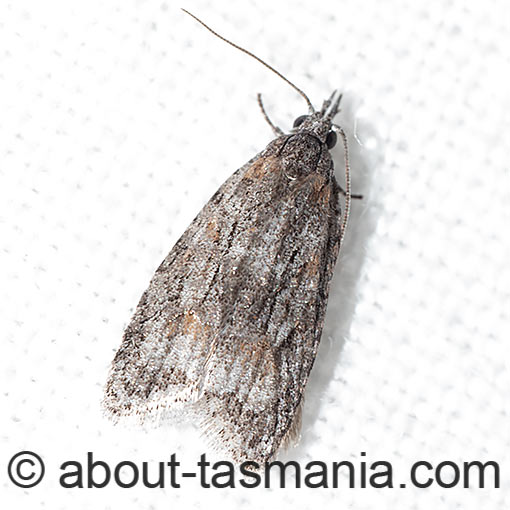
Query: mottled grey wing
{"x": 229, "y": 325}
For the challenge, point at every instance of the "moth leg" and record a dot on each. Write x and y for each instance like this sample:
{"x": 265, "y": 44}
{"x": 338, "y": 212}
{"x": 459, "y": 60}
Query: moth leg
{"x": 276, "y": 129}
{"x": 359, "y": 197}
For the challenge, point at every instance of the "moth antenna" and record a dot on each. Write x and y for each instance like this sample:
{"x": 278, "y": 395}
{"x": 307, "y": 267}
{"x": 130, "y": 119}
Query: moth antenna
{"x": 271, "y": 68}
{"x": 276, "y": 129}
{"x": 353, "y": 196}
{"x": 347, "y": 210}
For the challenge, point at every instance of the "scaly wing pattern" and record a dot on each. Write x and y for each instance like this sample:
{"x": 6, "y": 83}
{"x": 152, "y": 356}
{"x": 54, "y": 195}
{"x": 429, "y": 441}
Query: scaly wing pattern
{"x": 228, "y": 328}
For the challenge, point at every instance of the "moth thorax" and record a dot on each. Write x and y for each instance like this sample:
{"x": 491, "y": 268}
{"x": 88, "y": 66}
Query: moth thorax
{"x": 301, "y": 155}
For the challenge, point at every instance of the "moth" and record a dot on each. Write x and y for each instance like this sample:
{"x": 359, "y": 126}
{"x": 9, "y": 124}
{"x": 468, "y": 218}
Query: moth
{"x": 227, "y": 331}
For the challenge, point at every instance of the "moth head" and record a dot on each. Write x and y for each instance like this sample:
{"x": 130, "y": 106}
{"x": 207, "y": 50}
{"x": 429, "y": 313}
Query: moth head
{"x": 320, "y": 123}
{"x": 307, "y": 123}
{"x": 315, "y": 125}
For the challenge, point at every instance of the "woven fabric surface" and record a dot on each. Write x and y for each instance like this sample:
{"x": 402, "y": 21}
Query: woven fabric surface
{"x": 120, "y": 119}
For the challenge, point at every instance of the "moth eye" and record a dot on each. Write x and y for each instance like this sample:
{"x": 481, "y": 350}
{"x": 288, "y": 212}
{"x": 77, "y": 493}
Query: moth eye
{"x": 300, "y": 120}
{"x": 331, "y": 140}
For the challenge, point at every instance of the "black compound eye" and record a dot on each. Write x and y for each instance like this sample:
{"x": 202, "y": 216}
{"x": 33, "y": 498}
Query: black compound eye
{"x": 331, "y": 140}
{"x": 300, "y": 120}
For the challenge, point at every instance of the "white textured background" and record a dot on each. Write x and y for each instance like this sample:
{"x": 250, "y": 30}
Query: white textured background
{"x": 119, "y": 119}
